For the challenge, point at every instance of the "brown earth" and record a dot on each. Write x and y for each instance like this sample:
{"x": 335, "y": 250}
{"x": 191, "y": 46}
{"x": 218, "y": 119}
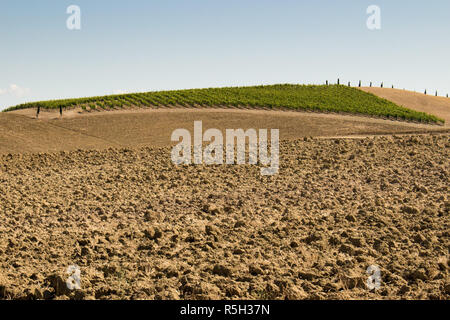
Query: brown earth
{"x": 139, "y": 227}
{"x": 20, "y": 132}
{"x": 438, "y": 106}
{"x": 99, "y": 191}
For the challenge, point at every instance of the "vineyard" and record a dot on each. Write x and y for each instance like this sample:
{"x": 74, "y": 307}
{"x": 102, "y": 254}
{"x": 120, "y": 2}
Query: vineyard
{"x": 332, "y": 98}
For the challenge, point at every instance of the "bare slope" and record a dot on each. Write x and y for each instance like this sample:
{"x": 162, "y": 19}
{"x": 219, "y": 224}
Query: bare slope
{"x": 20, "y": 132}
{"x": 438, "y": 106}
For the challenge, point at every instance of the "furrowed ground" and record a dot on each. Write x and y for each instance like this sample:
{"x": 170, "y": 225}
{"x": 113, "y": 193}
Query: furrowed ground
{"x": 140, "y": 227}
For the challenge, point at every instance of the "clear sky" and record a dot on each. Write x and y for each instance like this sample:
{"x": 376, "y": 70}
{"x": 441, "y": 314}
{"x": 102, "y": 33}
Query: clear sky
{"x": 145, "y": 45}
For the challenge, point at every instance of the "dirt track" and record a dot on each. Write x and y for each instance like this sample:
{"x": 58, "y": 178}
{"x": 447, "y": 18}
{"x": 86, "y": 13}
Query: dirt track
{"x": 139, "y": 227}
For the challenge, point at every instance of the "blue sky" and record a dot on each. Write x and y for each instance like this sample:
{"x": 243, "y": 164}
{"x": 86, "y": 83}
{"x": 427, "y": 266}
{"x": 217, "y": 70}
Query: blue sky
{"x": 145, "y": 45}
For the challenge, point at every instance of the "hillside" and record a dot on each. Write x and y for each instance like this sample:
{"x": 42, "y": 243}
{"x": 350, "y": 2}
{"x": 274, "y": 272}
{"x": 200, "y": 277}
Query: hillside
{"x": 97, "y": 189}
{"x": 438, "y": 106}
{"x": 20, "y": 132}
{"x": 334, "y": 98}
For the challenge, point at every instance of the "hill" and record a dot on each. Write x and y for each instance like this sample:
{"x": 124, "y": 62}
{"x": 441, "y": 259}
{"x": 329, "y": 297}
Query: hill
{"x": 333, "y": 98}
